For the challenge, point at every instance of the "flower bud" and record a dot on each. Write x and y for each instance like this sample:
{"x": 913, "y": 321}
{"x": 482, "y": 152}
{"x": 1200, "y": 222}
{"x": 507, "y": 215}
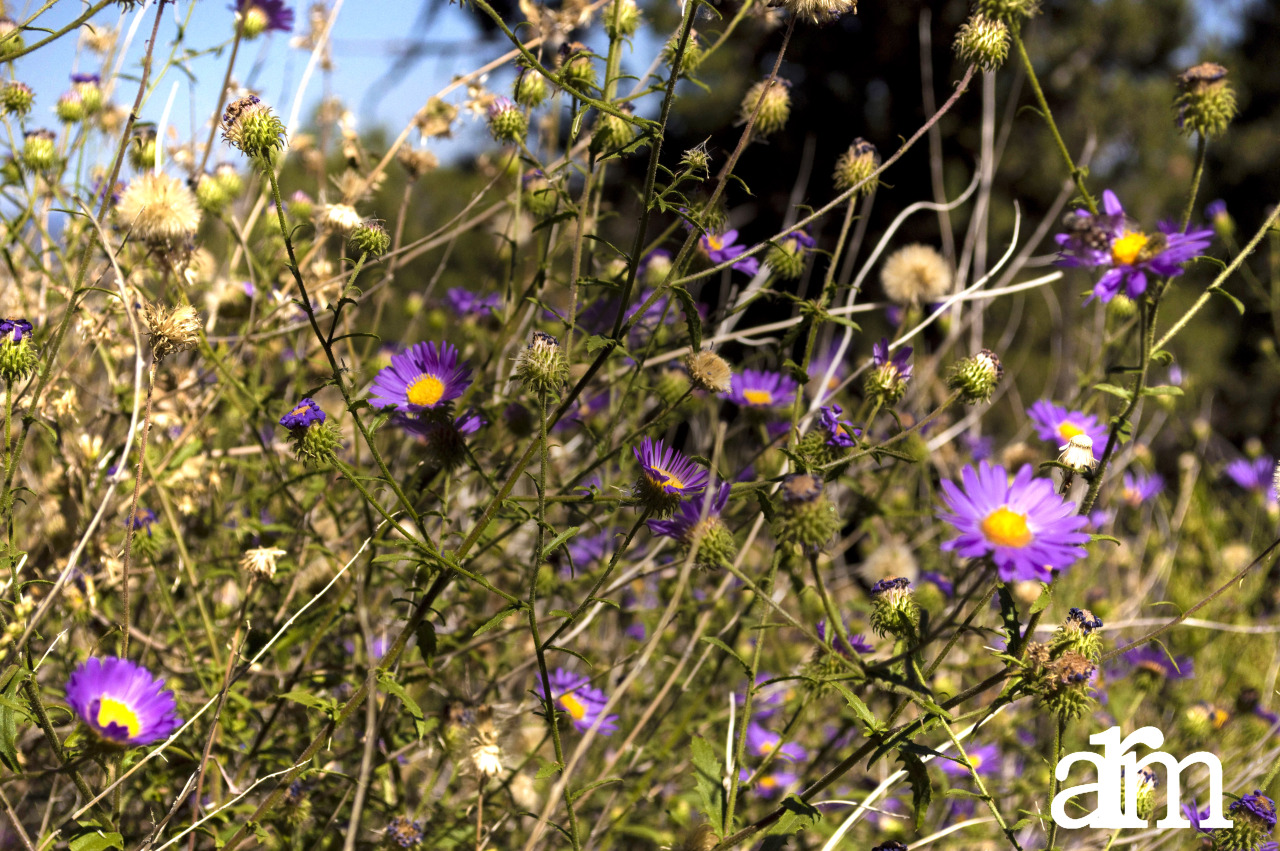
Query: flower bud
{"x": 696, "y": 159}
{"x": 16, "y": 98}
{"x": 249, "y": 125}
{"x": 11, "y": 41}
{"x": 88, "y": 87}
{"x": 172, "y": 331}
{"x": 1253, "y": 818}
{"x": 806, "y": 517}
{"x": 1207, "y": 102}
{"x": 142, "y": 149}
{"x": 229, "y": 179}
{"x": 1011, "y": 12}
{"x": 540, "y": 366}
{"x": 577, "y": 71}
{"x": 1145, "y": 794}
{"x": 709, "y": 372}
{"x": 301, "y": 206}
{"x": 612, "y": 133}
{"x": 1064, "y": 687}
{"x": 857, "y": 165}
{"x": 975, "y": 378}
{"x": 211, "y": 195}
{"x": 693, "y": 53}
{"x": 507, "y": 123}
{"x": 775, "y": 108}
{"x": 314, "y": 439}
{"x": 540, "y": 197}
{"x": 621, "y": 19}
{"x": 18, "y": 356}
{"x": 530, "y": 89}
{"x": 38, "y": 153}
{"x": 893, "y": 608}
{"x": 69, "y": 108}
{"x": 1078, "y": 634}
{"x": 787, "y": 256}
{"x": 370, "y": 237}
{"x": 983, "y": 41}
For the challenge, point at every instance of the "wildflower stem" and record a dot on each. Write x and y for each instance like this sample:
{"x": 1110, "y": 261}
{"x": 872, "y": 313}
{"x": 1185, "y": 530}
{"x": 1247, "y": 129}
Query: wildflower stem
{"x": 1077, "y": 173}
{"x": 222, "y": 99}
{"x": 1059, "y": 727}
{"x": 1202, "y": 145}
{"x": 131, "y": 519}
{"x": 833, "y": 615}
{"x": 982, "y": 788}
{"x": 57, "y": 34}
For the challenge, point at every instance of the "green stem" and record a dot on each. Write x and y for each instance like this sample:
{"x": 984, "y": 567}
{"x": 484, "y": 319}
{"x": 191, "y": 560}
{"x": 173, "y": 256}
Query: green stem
{"x": 1202, "y": 145}
{"x": 982, "y": 788}
{"x": 1059, "y": 727}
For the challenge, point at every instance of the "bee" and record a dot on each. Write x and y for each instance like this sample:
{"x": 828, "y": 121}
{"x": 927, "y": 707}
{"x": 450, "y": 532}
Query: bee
{"x": 1155, "y": 245}
{"x": 1091, "y": 231}
{"x": 237, "y": 108}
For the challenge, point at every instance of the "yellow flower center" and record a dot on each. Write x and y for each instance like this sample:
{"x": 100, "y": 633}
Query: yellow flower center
{"x": 976, "y": 761}
{"x": 767, "y": 746}
{"x": 715, "y": 242}
{"x": 573, "y": 706}
{"x": 768, "y": 782}
{"x": 1069, "y": 430}
{"x": 426, "y": 390}
{"x": 758, "y": 397}
{"x": 664, "y": 478}
{"x": 112, "y": 711}
{"x": 1005, "y": 528}
{"x": 1126, "y": 249}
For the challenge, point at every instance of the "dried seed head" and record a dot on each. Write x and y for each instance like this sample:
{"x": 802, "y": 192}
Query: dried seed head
{"x": 160, "y": 210}
{"x": 172, "y": 331}
{"x": 708, "y": 371}
{"x": 260, "y": 562}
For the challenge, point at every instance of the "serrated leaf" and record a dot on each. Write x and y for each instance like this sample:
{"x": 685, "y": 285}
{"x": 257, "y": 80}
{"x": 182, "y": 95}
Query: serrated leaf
{"x": 708, "y": 772}
{"x": 1042, "y": 602}
{"x": 921, "y": 785}
{"x": 547, "y": 769}
{"x": 859, "y": 708}
{"x": 559, "y": 540}
{"x": 496, "y": 620}
{"x": 597, "y": 342}
{"x": 797, "y": 816}
{"x": 308, "y": 699}
{"x": 715, "y": 642}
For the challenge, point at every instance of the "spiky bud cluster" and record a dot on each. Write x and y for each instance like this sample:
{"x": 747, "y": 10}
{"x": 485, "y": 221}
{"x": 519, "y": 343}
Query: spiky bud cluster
{"x": 621, "y": 19}
{"x": 1079, "y": 633}
{"x": 530, "y": 89}
{"x": 249, "y": 125}
{"x": 1207, "y": 102}
{"x": 16, "y": 98}
{"x": 577, "y": 70}
{"x": 983, "y": 41}
{"x": 787, "y": 256}
{"x": 774, "y": 98}
{"x": 696, "y": 159}
{"x": 885, "y": 383}
{"x": 211, "y": 195}
{"x": 1011, "y": 12}
{"x": 709, "y": 372}
{"x": 18, "y": 355}
{"x": 1061, "y": 677}
{"x": 612, "y": 133}
{"x": 976, "y": 378}
{"x": 693, "y": 53}
{"x": 1145, "y": 797}
{"x": 315, "y": 440}
{"x": 507, "y": 123}
{"x": 404, "y": 832}
{"x": 142, "y": 149}
{"x": 806, "y": 518}
{"x": 540, "y": 197}
{"x": 541, "y": 366}
{"x": 11, "y": 41}
{"x": 1253, "y": 817}
{"x": 893, "y": 608}
{"x": 171, "y": 330}
{"x": 70, "y": 108}
{"x": 855, "y": 166}
{"x": 370, "y": 237}
{"x": 38, "y": 153}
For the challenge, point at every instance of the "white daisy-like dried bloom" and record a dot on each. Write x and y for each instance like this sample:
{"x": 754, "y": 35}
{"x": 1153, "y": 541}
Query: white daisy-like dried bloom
{"x": 340, "y": 217}
{"x": 1078, "y": 453}
{"x": 159, "y": 209}
{"x": 172, "y": 331}
{"x": 892, "y": 558}
{"x": 261, "y": 562}
{"x": 709, "y": 372}
{"x": 915, "y": 274}
{"x": 819, "y": 11}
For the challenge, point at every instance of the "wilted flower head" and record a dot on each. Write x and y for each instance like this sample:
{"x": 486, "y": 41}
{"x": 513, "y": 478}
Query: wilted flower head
{"x": 1108, "y": 241}
{"x": 709, "y": 372}
{"x": 172, "y": 331}
{"x": 122, "y": 702}
{"x": 1077, "y": 453}
{"x": 340, "y": 217}
{"x": 405, "y": 832}
{"x": 915, "y": 274}
{"x": 160, "y": 210}
{"x": 260, "y": 562}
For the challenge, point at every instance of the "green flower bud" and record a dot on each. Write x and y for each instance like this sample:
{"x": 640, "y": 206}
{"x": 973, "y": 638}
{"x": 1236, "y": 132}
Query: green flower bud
{"x": 857, "y": 165}
{"x": 577, "y": 71}
{"x": 1207, "y": 102}
{"x": 693, "y": 53}
{"x": 1011, "y": 12}
{"x": 1078, "y": 635}
{"x": 142, "y": 149}
{"x": 530, "y": 89}
{"x": 18, "y": 355}
{"x": 11, "y": 41}
{"x": 806, "y": 518}
{"x": 229, "y": 179}
{"x": 983, "y": 41}
{"x": 621, "y": 19}
{"x": 70, "y": 108}
{"x": 301, "y": 206}
{"x": 90, "y": 95}
{"x": 370, "y": 237}
{"x": 249, "y": 125}
{"x": 506, "y": 122}
{"x": 611, "y": 134}
{"x": 541, "y": 366}
{"x": 672, "y": 385}
{"x": 893, "y": 609}
{"x": 976, "y": 377}
{"x": 210, "y": 194}
{"x": 775, "y": 108}
{"x": 38, "y": 153}
{"x": 16, "y": 98}
{"x": 787, "y": 257}
{"x": 540, "y": 197}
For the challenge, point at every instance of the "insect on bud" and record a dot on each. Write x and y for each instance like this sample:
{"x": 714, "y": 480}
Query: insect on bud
{"x": 855, "y": 167}
{"x": 249, "y": 125}
{"x": 540, "y": 366}
{"x": 976, "y": 378}
{"x": 1207, "y": 102}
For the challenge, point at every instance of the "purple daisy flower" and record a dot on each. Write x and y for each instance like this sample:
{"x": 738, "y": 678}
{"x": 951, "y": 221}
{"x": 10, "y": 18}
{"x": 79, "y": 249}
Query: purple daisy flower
{"x": 818, "y": 367}
{"x": 15, "y": 327}
{"x": 983, "y": 758}
{"x": 772, "y": 784}
{"x": 1257, "y": 805}
{"x": 1141, "y": 487}
{"x": 122, "y": 702}
{"x": 945, "y": 585}
{"x": 722, "y": 247}
{"x": 303, "y": 415}
{"x": 1026, "y": 528}
{"x": 1195, "y": 816}
{"x": 1153, "y": 659}
{"x": 143, "y": 518}
{"x": 761, "y": 742}
{"x": 980, "y": 447}
{"x": 839, "y": 433}
{"x": 899, "y": 361}
{"x": 581, "y": 702}
{"x": 857, "y": 643}
{"x": 92, "y": 79}
{"x": 423, "y": 377}
{"x": 756, "y": 388}
{"x": 466, "y": 303}
{"x": 1058, "y": 425}
{"x": 683, "y": 526}
{"x": 667, "y": 473}
{"x": 1252, "y": 475}
{"x": 274, "y": 14}
{"x": 1108, "y": 240}
{"x": 586, "y": 550}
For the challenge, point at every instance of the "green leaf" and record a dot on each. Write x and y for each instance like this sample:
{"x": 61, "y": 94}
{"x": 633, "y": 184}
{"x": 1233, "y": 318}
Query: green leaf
{"x": 797, "y": 815}
{"x": 388, "y": 684}
{"x": 1115, "y": 541}
{"x": 559, "y": 540}
{"x": 708, "y": 773}
{"x": 547, "y": 769}
{"x": 715, "y": 642}
{"x": 96, "y": 840}
{"x": 859, "y": 708}
{"x": 1118, "y": 392}
{"x": 308, "y": 700}
{"x": 921, "y": 786}
{"x": 597, "y": 342}
{"x": 426, "y": 633}
{"x": 496, "y": 620}
{"x": 1009, "y": 617}
{"x": 578, "y": 793}
{"x": 1162, "y": 390}
{"x": 1229, "y": 297}
{"x": 1042, "y": 602}
{"x": 9, "y": 725}
{"x": 691, "y": 318}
